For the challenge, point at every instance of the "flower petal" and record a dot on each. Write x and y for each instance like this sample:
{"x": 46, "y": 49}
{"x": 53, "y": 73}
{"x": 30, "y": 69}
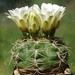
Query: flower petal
{"x": 17, "y": 11}
{"x": 36, "y": 8}
{"x": 22, "y": 25}
{"x": 51, "y": 20}
{"x": 12, "y": 13}
{"x": 45, "y": 26}
{"x": 46, "y": 7}
{"x": 24, "y": 10}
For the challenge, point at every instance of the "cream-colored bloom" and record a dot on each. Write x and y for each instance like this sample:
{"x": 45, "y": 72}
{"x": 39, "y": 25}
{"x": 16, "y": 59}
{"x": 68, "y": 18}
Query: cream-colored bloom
{"x": 26, "y": 18}
{"x": 19, "y": 16}
{"x": 51, "y": 15}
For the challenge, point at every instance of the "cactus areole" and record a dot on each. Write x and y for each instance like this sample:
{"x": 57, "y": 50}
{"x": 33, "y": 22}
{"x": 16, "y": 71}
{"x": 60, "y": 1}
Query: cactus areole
{"x": 39, "y": 52}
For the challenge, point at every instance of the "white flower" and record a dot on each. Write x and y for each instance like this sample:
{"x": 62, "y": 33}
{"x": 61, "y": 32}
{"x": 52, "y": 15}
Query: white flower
{"x": 26, "y": 18}
{"x": 51, "y": 15}
{"x": 19, "y": 16}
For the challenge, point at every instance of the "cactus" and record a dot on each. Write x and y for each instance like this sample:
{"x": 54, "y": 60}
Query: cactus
{"x": 39, "y": 52}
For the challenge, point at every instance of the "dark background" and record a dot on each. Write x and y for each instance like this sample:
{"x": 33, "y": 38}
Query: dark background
{"x": 9, "y": 32}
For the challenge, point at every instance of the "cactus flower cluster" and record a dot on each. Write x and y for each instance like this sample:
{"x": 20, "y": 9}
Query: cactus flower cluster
{"x": 39, "y": 52}
{"x": 32, "y": 19}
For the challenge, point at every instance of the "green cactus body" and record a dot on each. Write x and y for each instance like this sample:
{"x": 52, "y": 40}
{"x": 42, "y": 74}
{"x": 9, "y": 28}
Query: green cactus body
{"x": 39, "y": 54}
